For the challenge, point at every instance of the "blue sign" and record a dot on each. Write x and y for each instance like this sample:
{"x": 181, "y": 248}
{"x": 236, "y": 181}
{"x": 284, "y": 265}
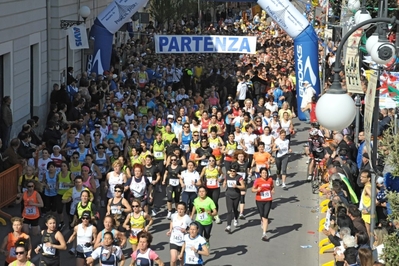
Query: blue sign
{"x": 100, "y": 60}
{"x": 306, "y": 64}
{"x": 167, "y": 44}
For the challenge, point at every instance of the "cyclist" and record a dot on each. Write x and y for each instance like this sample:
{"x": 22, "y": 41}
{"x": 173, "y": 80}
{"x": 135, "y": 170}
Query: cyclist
{"x": 316, "y": 149}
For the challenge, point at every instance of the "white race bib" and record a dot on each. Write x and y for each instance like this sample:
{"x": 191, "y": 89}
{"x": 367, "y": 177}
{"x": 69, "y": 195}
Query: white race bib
{"x": 185, "y": 147}
{"x": 231, "y": 183}
{"x": 211, "y": 182}
{"x": 177, "y": 236}
{"x": 190, "y": 188}
{"x": 242, "y": 174}
{"x": 213, "y": 145}
{"x": 259, "y": 166}
{"x": 202, "y": 216}
{"x": 265, "y": 194}
{"x": 49, "y": 250}
{"x": 64, "y": 186}
{"x": 51, "y": 186}
{"x": 158, "y": 154}
{"x": 136, "y": 231}
{"x": 174, "y": 182}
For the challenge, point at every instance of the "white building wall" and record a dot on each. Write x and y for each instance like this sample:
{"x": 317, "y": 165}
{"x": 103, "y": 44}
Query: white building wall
{"x": 29, "y": 22}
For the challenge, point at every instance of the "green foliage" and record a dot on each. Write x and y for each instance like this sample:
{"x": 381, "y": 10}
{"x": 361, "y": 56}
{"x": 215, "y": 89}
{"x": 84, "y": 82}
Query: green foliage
{"x": 372, "y": 4}
{"x": 390, "y": 142}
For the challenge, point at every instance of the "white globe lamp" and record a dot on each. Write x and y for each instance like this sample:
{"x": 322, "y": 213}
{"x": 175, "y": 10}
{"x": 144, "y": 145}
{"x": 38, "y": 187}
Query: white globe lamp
{"x": 361, "y": 16}
{"x": 335, "y": 111}
{"x": 84, "y": 12}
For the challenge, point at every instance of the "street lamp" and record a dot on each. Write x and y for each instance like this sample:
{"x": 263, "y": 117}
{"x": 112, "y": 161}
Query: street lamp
{"x": 336, "y": 110}
{"x": 84, "y": 12}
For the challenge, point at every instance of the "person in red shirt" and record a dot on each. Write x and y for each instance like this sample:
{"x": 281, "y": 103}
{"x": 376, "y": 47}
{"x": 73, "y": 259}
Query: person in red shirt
{"x": 264, "y": 188}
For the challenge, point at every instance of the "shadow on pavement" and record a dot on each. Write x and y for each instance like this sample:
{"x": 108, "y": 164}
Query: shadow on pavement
{"x": 280, "y": 201}
{"x": 282, "y": 230}
{"x": 294, "y": 156}
{"x": 248, "y": 223}
{"x": 224, "y": 251}
{"x": 298, "y": 183}
{"x": 160, "y": 246}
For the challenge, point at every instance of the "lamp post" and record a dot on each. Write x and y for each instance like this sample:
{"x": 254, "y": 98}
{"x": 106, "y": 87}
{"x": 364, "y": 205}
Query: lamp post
{"x": 358, "y": 104}
{"x": 336, "y": 110}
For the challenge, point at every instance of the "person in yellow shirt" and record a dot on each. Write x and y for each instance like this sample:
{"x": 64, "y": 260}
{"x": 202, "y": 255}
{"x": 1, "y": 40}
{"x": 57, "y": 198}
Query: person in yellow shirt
{"x": 168, "y": 136}
{"x": 28, "y": 176}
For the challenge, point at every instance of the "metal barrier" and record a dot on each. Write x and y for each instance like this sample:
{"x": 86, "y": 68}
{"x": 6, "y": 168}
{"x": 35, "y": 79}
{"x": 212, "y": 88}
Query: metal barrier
{"x": 9, "y": 188}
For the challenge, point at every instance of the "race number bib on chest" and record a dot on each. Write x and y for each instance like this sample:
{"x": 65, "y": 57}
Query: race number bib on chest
{"x": 231, "y": 183}
{"x": 49, "y": 250}
{"x": 174, "y": 182}
{"x": 158, "y": 154}
{"x": 30, "y": 210}
{"x": 265, "y": 195}
{"x": 211, "y": 182}
{"x": 202, "y": 216}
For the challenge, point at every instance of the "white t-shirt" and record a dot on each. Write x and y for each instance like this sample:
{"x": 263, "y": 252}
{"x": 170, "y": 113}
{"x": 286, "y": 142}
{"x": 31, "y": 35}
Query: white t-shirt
{"x": 189, "y": 178}
{"x": 42, "y": 167}
{"x": 249, "y": 141}
{"x": 283, "y": 145}
{"x": 190, "y": 256}
{"x": 97, "y": 254}
{"x": 177, "y": 237}
{"x": 242, "y": 90}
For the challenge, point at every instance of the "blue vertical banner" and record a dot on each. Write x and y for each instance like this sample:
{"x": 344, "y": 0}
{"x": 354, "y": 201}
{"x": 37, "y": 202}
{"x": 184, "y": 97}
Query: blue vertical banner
{"x": 306, "y": 55}
{"x": 108, "y": 22}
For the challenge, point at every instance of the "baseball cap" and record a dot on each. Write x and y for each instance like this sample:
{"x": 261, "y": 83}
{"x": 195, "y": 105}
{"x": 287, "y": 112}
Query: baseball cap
{"x": 380, "y": 180}
{"x": 170, "y": 116}
{"x": 56, "y": 147}
{"x": 86, "y": 214}
{"x": 305, "y": 81}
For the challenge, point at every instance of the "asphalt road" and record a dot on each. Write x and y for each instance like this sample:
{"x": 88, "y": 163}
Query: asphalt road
{"x": 293, "y": 223}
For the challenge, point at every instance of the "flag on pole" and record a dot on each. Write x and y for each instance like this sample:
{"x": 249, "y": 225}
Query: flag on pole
{"x": 78, "y": 37}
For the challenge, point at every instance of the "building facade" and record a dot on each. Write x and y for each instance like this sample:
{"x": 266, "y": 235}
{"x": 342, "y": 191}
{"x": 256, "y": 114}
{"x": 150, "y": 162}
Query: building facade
{"x": 34, "y": 52}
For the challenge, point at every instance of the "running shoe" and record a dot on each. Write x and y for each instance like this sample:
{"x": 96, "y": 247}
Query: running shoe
{"x": 235, "y": 222}
{"x": 153, "y": 213}
{"x": 284, "y": 186}
{"x": 264, "y": 237}
{"x": 228, "y": 229}
{"x": 217, "y": 220}
{"x": 278, "y": 182}
{"x": 242, "y": 217}
{"x": 61, "y": 226}
{"x": 169, "y": 215}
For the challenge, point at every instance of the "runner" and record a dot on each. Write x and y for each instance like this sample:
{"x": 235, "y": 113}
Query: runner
{"x": 7, "y": 247}
{"x": 31, "y": 213}
{"x": 235, "y": 184}
{"x": 206, "y": 210}
{"x": 85, "y": 233}
{"x": 136, "y": 222}
{"x": 118, "y": 207}
{"x": 109, "y": 227}
{"x": 52, "y": 241}
{"x": 108, "y": 253}
{"x": 173, "y": 189}
{"x": 202, "y": 154}
{"x": 64, "y": 179}
{"x": 194, "y": 247}
{"x": 189, "y": 180}
{"x": 140, "y": 187}
{"x": 144, "y": 256}
{"x": 211, "y": 177}
{"x": 179, "y": 224}
{"x": 264, "y": 188}
{"x": 229, "y": 149}
{"x": 244, "y": 171}
{"x": 22, "y": 254}
{"x": 282, "y": 147}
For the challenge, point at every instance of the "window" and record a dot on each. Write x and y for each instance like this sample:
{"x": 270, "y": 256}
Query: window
{"x": 34, "y": 78}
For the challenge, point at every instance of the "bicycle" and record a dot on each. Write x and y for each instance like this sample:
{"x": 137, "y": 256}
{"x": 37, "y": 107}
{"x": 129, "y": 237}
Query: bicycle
{"x": 317, "y": 174}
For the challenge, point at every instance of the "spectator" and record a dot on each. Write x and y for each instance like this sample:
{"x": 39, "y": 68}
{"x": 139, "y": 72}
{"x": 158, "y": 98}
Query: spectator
{"x": 26, "y": 149}
{"x": 10, "y": 156}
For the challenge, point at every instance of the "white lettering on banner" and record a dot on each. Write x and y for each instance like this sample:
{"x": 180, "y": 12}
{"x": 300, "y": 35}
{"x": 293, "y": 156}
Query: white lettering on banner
{"x": 303, "y": 69}
{"x": 205, "y": 44}
{"x": 93, "y": 60}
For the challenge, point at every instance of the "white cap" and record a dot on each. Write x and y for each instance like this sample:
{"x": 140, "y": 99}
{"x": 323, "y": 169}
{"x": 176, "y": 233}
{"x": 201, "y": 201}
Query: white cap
{"x": 380, "y": 180}
{"x": 114, "y": 76}
{"x": 170, "y": 116}
{"x": 56, "y": 147}
{"x": 305, "y": 81}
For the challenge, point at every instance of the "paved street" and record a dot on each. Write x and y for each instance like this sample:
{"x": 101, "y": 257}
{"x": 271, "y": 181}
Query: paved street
{"x": 293, "y": 223}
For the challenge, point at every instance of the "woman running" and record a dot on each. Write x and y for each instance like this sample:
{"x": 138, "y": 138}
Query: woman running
{"x": 31, "y": 214}
{"x": 144, "y": 255}
{"x": 173, "y": 189}
{"x": 140, "y": 187}
{"x": 211, "y": 176}
{"x": 264, "y": 188}
{"x": 108, "y": 253}
{"x": 118, "y": 206}
{"x": 189, "y": 181}
{"x": 51, "y": 244}
{"x": 109, "y": 227}
{"x": 194, "y": 247}
{"x": 244, "y": 171}
{"x": 65, "y": 178}
{"x": 50, "y": 183}
{"x": 235, "y": 184}
{"x": 206, "y": 210}
{"x": 178, "y": 228}
{"x": 7, "y": 247}
{"x": 136, "y": 222}
{"x": 282, "y": 147}
{"x": 22, "y": 254}
{"x": 85, "y": 234}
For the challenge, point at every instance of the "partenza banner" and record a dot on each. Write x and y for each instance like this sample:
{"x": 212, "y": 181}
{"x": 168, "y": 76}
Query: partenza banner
{"x": 172, "y": 44}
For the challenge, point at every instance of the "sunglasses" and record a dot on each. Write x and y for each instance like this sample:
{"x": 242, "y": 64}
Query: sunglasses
{"x": 117, "y": 190}
{"x": 211, "y": 160}
{"x": 135, "y": 206}
{"x": 20, "y": 253}
{"x": 111, "y": 142}
{"x": 30, "y": 186}
{"x": 178, "y": 120}
{"x": 75, "y": 157}
{"x": 232, "y": 170}
{"x": 102, "y": 148}
{"x": 81, "y": 143}
{"x": 173, "y": 160}
{"x": 85, "y": 218}
{"x": 72, "y": 133}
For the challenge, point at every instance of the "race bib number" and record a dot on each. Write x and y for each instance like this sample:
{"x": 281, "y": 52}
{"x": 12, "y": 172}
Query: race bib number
{"x": 115, "y": 210}
{"x": 211, "y": 182}
{"x": 259, "y": 166}
{"x": 30, "y": 210}
{"x": 158, "y": 154}
{"x": 191, "y": 259}
{"x": 213, "y": 145}
{"x": 49, "y": 250}
{"x": 135, "y": 232}
{"x": 178, "y": 236}
{"x": 174, "y": 182}
{"x": 149, "y": 178}
{"x": 190, "y": 187}
{"x": 231, "y": 183}
{"x": 284, "y": 149}
{"x": 64, "y": 186}
{"x": 51, "y": 186}
{"x": 204, "y": 162}
{"x": 205, "y": 130}
{"x": 12, "y": 253}
{"x": 185, "y": 147}
{"x": 265, "y": 195}
{"x": 202, "y": 216}
{"x": 230, "y": 152}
